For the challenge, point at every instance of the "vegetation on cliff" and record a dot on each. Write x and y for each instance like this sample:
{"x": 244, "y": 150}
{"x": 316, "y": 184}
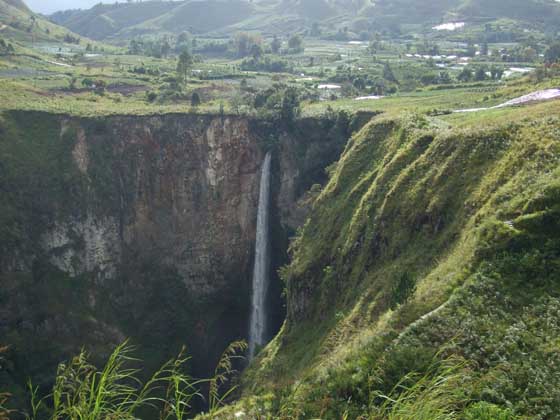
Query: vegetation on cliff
{"x": 74, "y": 188}
{"x": 421, "y": 282}
{"x": 431, "y": 241}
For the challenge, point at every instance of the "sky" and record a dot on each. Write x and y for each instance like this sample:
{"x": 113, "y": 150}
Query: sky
{"x": 51, "y": 6}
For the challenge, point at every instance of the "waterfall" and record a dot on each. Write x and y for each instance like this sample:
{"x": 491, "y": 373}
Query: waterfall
{"x": 257, "y": 331}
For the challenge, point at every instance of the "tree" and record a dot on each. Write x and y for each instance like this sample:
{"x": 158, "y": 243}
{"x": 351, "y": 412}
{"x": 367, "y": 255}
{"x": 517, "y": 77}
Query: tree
{"x": 295, "y": 43}
{"x": 276, "y": 45}
{"x": 88, "y": 83}
{"x": 244, "y": 42}
{"x": 484, "y": 49}
{"x": 465, "y": 75}
{"x": 256, "y": 52}
{"x": 165, "y": 48}
{"x": 6, "y": 48}
{"x": 388, "y": 73}
{"x": 552, "y": 54}
{"x": 529, "y": 54}
{"x": 315, "y": 29}
{"x": 184, "y": 65}
{"x": 444, "y": 77}
{"x": 471, "y": 50}
{"x": 135, "y": 47}
{"x": 480, "y": 74}
{"x": 195, "y": 99}
{"x": 183, "y": 42}
{"x": 72, "y": 83}
{"x": 290, "y": 104}
{"x": 236, "y": 102}
{"x": 496, "y": 72}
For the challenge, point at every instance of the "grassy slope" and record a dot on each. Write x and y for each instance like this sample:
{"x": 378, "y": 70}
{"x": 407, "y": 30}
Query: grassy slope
{"x": 417, "y": 12}
{"x": 126, "y": 20}
{"x": 19, "y": 24}
{"x": 471, "y": 214}
{"x": 534, "y": 11}
{"x": 104, "y": 20}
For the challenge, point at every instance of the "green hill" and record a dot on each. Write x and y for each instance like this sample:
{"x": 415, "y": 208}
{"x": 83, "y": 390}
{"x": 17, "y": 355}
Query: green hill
{"x": 124, "y": 20}
{"x": 420, "y": 12}
{"x": 533, "y": 11}
{"x": 18, "y": 4}
{"x": 19, "y": 23}
{"x": 106, "y": 20}
{"x": 220, "y": 16}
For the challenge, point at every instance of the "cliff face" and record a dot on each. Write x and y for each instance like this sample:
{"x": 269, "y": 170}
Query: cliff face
{"x": 140, "y": 227}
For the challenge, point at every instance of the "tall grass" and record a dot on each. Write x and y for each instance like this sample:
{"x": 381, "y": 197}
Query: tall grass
{"x": 222, "y": 375}
{"x": 4, "y": 412}
{"x": 434, "y": 395}
{"x": 82, "y": 392}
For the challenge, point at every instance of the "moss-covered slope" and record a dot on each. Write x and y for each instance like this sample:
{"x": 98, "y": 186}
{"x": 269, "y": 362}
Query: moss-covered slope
{"x": 428, "y": 243}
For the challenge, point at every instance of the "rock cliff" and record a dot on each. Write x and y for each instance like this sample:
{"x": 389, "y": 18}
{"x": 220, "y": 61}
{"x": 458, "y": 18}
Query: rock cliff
{"x": 142, "y": 227}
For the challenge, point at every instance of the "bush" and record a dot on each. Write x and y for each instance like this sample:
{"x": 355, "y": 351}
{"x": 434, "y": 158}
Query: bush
{"x": 195, "y": 99}
{"x": 485, "y": 411}
{"x": 151, "y": 96}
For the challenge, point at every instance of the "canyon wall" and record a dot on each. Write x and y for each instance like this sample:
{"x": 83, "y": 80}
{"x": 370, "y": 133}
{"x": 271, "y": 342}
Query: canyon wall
{"x": 141, "y": 227}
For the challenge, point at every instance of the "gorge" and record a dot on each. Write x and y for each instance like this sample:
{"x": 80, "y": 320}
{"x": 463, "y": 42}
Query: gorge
{"x": 416, "y": 247}
{"x": 144, "y": 227}
{"x": 280, "y": 210}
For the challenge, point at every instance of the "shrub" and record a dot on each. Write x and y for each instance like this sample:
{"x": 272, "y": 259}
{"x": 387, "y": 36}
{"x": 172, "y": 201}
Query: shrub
{"x": 151, "y": 96}
{"x": 195, "y": 99}
{"x": 485, "y": 411}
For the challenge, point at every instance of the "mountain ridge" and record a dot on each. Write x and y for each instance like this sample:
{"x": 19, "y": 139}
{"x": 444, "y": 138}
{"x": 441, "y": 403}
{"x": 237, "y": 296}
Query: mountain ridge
{"x": 194, "y": 15}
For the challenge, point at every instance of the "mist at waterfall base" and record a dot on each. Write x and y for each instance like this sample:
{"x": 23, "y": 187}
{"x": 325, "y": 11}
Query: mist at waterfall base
{"x": 261, "y": 268}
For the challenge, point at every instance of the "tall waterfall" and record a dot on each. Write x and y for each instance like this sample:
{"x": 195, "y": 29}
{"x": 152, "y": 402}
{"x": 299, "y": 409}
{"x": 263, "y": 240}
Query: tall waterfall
{"x": 257, "y": 331}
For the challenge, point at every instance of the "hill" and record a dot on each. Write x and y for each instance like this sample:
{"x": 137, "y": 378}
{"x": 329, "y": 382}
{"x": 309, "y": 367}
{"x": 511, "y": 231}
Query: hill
{"x": 124, "y": 20}
{"x": 19, "y": 23}
{"x": 106, "y": 20}
{"x": 268, "y": 17}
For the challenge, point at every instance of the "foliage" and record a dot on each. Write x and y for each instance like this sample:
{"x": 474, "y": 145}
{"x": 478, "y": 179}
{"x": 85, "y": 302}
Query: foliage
{"x": 552, "y": 54}
{"x": 152, "y": 48}
{"x": 295, "y": 43}
{"x": 222, "y": 375}
{"x": 433, "y": 395}
{"x": 482, "y": 291}
{"x": 486, "y": 411}
{"x": 6, "y": 48}
{"x": 184, "y": 65}
{"x": 245, "y": 43}
{"x": 4, "y": 396}
{"x": 195, "y": 99}
{"x": 268, "y": 63}
{"x": 403, "y": 289}
{"x": 81, "y": 391}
